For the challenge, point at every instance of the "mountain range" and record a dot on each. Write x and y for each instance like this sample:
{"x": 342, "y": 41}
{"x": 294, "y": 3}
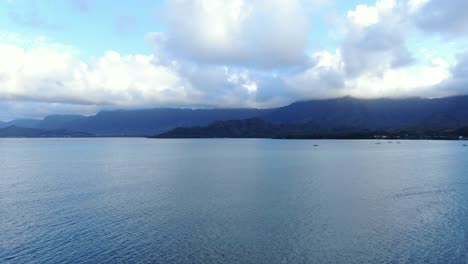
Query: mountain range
{"x": 21, "y": 132}
{"x": 327, "y": 115}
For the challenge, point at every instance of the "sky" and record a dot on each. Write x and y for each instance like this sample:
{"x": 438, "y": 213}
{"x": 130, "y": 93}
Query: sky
{"x": 82, "y": 56}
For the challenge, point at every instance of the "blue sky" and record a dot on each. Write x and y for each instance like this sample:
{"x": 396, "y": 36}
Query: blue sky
{"x": 98, "y": 26}
{"x": 93, "y": 26}
{"x": 81, "y": 56}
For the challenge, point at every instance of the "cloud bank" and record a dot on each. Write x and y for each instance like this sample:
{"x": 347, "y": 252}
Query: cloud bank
{"x": 244, "y": 53}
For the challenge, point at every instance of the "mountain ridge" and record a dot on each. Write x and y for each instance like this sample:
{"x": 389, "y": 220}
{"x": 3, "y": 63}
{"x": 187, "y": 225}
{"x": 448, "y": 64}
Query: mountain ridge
{"x": 320, "y": 115}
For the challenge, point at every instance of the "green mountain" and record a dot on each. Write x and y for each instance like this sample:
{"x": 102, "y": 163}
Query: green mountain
{"x": 318, "y": 116}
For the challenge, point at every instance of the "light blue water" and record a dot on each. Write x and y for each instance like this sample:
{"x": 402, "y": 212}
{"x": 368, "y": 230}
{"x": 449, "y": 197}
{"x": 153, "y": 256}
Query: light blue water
{"x": 232, "y": 201}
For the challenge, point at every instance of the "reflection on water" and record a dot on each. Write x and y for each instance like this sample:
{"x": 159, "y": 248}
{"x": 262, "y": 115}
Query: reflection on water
{"x": 232, "y": 201}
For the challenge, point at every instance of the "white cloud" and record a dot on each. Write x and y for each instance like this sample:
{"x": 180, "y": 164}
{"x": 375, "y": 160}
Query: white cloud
{"x": 364, "y": 16}
{"x": 327, "y": 79}
{"x": 415, "y": 5}
{"x": 51, "y": 74}
{"x": 414, "y": 81}
{"x": 374, "y": 60}
{"x": 241, "y": 32}
{"x": 376, "y": 38}
{"x": 44, "y": 74}
{"x": 324, "y": 78}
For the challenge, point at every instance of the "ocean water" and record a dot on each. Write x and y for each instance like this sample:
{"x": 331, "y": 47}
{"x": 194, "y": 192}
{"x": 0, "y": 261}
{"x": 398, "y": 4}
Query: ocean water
{"x": 232, "y": 201}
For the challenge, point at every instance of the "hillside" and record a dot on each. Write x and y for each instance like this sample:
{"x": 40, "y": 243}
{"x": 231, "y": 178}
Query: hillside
{"x": 247, "y": 128}
{"x": 258, "y": 128}
{"x": 350, "y": 113}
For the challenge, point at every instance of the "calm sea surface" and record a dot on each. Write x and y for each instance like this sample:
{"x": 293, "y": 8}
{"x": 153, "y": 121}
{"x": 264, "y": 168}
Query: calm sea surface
{"x": 232, "y": 201}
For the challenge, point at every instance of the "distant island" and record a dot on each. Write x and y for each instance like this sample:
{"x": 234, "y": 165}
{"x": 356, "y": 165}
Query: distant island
{"x": 346, "y": 117}
{"x": 21, "y": 132}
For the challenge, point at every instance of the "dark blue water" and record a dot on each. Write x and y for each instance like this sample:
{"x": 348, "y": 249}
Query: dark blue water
{"x": 232, "y": 201}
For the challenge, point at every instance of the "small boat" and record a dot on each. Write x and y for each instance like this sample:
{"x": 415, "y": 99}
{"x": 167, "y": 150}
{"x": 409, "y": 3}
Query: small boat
{"x": 315, "y": 145}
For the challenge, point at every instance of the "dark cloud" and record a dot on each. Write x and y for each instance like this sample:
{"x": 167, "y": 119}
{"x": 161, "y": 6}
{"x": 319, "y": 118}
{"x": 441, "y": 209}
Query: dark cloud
{"x": 317, "y": 82}
{"x": 444, "y": 17}
{"x": 458, "y": 82}
{"x": 272, "y": 90}
{"x": 378, "y": 46}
